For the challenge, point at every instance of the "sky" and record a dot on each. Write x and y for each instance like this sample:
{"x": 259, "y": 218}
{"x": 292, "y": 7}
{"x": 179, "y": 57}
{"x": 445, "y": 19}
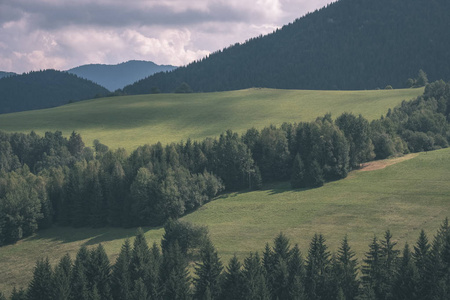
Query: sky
{"x": 62, "y": 34}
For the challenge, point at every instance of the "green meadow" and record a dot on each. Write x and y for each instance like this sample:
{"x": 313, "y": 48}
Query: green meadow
{"x": 404, "y": 197}
{"x": 131, "y": 121}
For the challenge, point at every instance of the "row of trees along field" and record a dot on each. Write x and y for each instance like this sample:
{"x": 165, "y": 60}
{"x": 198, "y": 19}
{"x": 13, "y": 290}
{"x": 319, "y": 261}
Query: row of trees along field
{"x": 52, "y": 179}
{"x": 143, "y": 272}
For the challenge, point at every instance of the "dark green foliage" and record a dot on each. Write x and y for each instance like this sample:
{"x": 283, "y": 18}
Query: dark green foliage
{"x": 208, "y": 273}
{"x": 18, "y": 294}
{"x": 174, "y": 275}
{"x": 254, "y": 279}
{"x": 318, "y": 270}
{"x": 314, "y": 175}
{"x": 79, "y": 284}
{"x": 405, "y": 284}
{"x": 183, "y": 88}
{"x": 62, "y": 278}
{"x": 40, "y": 286}
{"x": 345, "y": 269}
{"x": 347, "y": 45}
{"x": 121, "y": 274}
{"x": 186, "y": 235}
{"x": 43, "y": 89}
{"x": 298, "y": 173}
{"x": 98, "y": 273}
{"x": 232, "y": 283}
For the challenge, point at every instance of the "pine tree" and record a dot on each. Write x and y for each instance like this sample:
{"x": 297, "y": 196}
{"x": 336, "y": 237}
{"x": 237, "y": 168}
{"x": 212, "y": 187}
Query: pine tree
{"x": 208, "y": 273}
{"x": 372, "y": 270}
{"x": 318, "y": 269}
{"x": 62, "y": 278}
{"x": 79, "y": 284}
{"x": 18, "y": 294}
{"x": 174, "y": 276}
{"x": 298, "y": 173}
{"x": 389, "y": 263}
{"x": 99, "y": 273}
{"x": 254, "y": 280}
{"x": 40, "y": 286}
{"x": 121, "y": 277}
{"x": 346, "y": 271}
{"x": 232, "y": 284}
{"x": 277, "y": 269}
{"x": 314, "y": 175}
{"x": 405, "y": 283}
{"x": 421, "y": 257}
{"x": 296, "y": 285}
{"x": 140, "y": 257}
{"x": 140, "y": 291}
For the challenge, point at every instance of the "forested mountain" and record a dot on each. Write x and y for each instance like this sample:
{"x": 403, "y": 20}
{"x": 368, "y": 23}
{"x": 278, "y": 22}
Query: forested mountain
{"x": 115, "y": 77}
{"x": 350, "y": 44}
{"x": 44, "y": 89}
{"x": 6, "y": 74}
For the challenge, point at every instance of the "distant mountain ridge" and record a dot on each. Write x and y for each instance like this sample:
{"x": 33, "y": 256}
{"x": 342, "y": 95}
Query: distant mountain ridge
{"x": 44, "y": 89}
{"x": 350, "y": 44}
{"x": 6, "y": 74}
{"x": 115, "y": 77}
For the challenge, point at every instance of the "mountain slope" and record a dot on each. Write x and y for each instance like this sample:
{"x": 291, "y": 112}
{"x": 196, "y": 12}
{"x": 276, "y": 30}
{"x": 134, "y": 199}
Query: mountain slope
{"x": 115, "y": 77}
{"x": 44, "y": 89}
{"x": 350, "y": 44}
{"x": 6, "y": 74}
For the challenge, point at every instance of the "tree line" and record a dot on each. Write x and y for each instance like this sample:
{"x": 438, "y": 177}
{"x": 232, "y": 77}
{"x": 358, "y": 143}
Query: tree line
{"x": 52, "y": 179}
{"x": 281, "y": 272}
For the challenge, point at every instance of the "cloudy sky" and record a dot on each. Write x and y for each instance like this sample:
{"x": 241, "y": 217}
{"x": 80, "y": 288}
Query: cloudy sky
{"x": 61, "y": 34}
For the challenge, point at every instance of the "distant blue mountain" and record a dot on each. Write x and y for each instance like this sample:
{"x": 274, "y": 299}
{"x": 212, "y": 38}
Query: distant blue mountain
{"x": 115, "y": 77}
{"x": 6, "y": 74}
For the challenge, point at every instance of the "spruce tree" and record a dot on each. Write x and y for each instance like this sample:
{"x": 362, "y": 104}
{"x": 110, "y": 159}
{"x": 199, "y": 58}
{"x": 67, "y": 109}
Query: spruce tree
{"x": 18, "y": 294}
{"x": 208, "y": 273}
{"x": 140, "y": 257}
{"x": 318, "y": 269}
{"x": 298, "y": 173}
{"x": 405, "y": 286}
{"x": 62, "y": 278}
{"x": 174, "y": 275}
{"x": 421, "y": 257}
{"x": 99, "y": 273}
{"x": 296, "y": 281}
{"x": 389, "y": 263}
{"x": 40, "y": 286}
{"x": 79, "y": 284}
{"x": 121, "y": 277}
{"x": 346, "y": 271}
{"x": 254, "y": 280}
{"x": 140, "y": 291}
{"x": 232, "y": 284}
{"x": 314, "y": 175}
{"x": 372, "y": 270}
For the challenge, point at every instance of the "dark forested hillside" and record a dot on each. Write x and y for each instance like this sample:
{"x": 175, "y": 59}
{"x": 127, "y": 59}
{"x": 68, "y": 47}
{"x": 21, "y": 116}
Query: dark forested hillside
{"x": 6, "y": 74}
{"x": 44, "y": 89}
{"x": 115, "y": 77}
{"x": 350, "y": 44}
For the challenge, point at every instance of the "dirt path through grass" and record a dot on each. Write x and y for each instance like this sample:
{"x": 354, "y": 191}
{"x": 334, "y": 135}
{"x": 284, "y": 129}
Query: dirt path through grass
{"x": 381, "y": 164}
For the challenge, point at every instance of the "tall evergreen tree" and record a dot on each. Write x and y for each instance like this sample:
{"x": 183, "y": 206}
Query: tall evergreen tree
{"x": 121, "y": 276}
{"x": 79, "y": 284}
{"x": 298, "y": 173}
{"x": 232, "y": 284}
{"x": 296, "y": 285}
{"x": 421, "y": 257}
{"x": 346, "y": 271}
{"x": 254, "y": 279}
{"x": 99, "y": 273}
{"x": 174, "y": 275}
{"x": 40, "y": 286}
{"x": 318, "y": 269}
{"x": 208, "y": 273}
{"x": 62, "y": 278}
{"x": 389, "y": 257}
{"x": 405, "y": 283}
{"x": 372, "y": 270}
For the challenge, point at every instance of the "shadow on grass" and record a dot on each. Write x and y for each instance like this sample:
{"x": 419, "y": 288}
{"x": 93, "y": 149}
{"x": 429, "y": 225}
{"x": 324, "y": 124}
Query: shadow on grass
{"x": 88, "y": 236}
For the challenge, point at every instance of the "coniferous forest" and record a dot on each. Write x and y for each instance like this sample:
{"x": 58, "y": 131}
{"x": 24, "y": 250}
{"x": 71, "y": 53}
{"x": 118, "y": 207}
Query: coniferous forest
{"x": 350, "y": 44}
{"x": 420, "y": 271}
{"x": 54, "y": 180}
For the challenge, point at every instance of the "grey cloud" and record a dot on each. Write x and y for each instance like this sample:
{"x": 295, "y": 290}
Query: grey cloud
{"x": 50, "y": 16}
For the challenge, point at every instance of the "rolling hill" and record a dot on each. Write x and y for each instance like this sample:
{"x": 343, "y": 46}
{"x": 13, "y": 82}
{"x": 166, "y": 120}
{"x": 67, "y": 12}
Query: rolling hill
{"x": 131, "y": 121}
{"x": 115, "y": 77}
{"x": 43, "y": 89}
{"x": 410, "y": 195}
{"x": 350, "y": 44}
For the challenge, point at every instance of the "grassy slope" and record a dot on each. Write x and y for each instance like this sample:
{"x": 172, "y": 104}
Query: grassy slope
{"x": 136, "y": 120}
{"x": 404, "y": 197}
